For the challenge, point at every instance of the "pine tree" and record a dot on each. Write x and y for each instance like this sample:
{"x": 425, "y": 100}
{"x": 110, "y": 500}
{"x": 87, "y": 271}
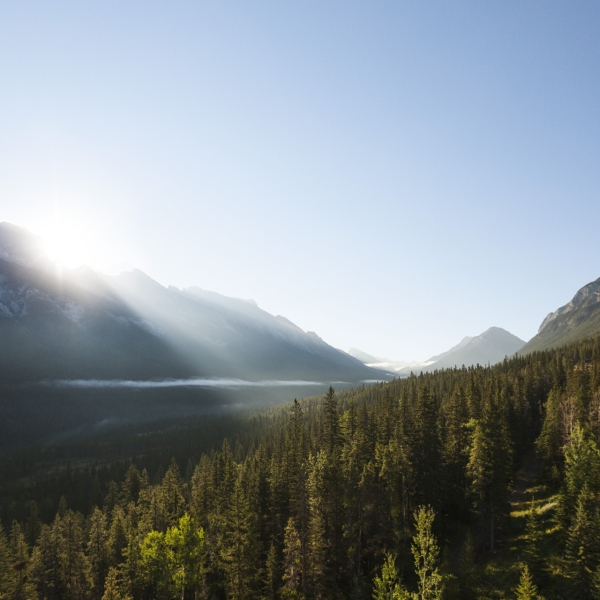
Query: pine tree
{"x": 551, "y": 439}
{"x": 272, "y": 579}
{"x": 526, "y": 589}
{"x": 171, "y": 501}
{"x": 7, "y": 575}
{"x": 490, "y": 463}
{"x": 111, "y": 587}
{"x": 237, "y": 553}
{"x": 117, "y": 537}
{"x": 32, "y": 530}
{"x": 292, "y": 553}
{"x": 44, "y": 564}
{"x": 425, "y": 450}
{"x": 467, "y": 569}
{"x": 330, "y": 428}
{"x": 132, "y": 485}
{"x": 583, "y": 538}
{"x": 534, "y": 534}
{"x": 455, "y": 457}
{"x": 98, "y": 551}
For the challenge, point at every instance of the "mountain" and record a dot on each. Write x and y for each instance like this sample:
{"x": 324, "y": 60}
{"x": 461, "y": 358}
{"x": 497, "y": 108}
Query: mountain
{"x": 387, "y": 364}
{"x": 80, "y": 324}
{"x": 492, "y": 346}
{"x": 576, "y": 320}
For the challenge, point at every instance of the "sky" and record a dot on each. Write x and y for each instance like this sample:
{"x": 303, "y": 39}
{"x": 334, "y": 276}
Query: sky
{"x": 392, "y": 175}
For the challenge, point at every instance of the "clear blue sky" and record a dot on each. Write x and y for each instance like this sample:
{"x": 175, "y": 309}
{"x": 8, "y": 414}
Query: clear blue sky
{"x": 391, "y": 175}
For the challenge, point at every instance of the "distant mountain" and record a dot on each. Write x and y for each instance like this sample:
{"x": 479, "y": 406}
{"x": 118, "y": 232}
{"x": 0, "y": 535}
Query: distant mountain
{"x": 387, "y": 364}
{"x": 80, "y": 324}
{"x": 578, "y": 319}
{"x": 492, "y": 346}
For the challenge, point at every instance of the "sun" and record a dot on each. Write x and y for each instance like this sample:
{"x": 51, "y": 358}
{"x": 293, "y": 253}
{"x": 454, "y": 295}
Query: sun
{"x": 69, "y": 244}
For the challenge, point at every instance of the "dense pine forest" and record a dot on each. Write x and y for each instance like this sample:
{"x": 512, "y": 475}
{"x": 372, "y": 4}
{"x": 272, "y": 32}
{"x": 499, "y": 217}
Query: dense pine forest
{"x": 466, "y": 483}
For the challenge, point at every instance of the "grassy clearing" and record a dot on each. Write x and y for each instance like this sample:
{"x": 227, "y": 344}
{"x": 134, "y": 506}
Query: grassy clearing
{"x": 500, "y": 575}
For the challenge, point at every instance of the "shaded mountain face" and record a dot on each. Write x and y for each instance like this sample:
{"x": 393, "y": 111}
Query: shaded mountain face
{"x": 79, "y": 324}
{"x": 578, "y": 319}
{"x": 492, "y": 346}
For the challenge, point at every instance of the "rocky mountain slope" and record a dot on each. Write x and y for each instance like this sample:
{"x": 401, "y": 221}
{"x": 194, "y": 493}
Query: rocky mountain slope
{"x": 576, "y": 320}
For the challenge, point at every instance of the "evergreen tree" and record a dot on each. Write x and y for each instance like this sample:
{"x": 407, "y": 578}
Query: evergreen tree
{"x": 425, "y": 450}
{"x": 111, "y": 587}
{"x": 456, "y": 440}
{"x": 582, "y": 550}
{"x": 292, "y": 552}
{"x": 534, "y": 534}
{"x": 330, "y": 427}
{"x": 117, "y": 537}
{"x": 98, "y": 551}
{"x": 237, "y": 552}
{"x": 467, "y": 569}
{"x": 6, "y": 579}
{"x": 526, "y": 589}
{"x": 490, "y": 463}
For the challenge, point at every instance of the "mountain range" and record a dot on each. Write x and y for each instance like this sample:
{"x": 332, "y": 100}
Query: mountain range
{"x": 82, "y": 351}
{"x": 488, "y": 348}
{"x": 80, "y": 324}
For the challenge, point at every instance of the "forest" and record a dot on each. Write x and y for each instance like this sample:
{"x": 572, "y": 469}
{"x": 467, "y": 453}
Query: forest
{"x": 472, "y": 483}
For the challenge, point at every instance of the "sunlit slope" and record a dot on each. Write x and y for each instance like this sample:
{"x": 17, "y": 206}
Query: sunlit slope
{"x": 578, "y": 319}
{"x": 68, "y": 324}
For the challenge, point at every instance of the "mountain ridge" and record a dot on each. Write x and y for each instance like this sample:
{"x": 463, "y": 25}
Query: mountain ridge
{"x": 578, "y": 319}
{"x": 83, "y": 324}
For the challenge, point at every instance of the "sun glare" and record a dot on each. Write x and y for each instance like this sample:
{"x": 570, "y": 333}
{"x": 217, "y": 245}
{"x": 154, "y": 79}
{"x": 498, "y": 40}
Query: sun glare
{"x": 69, "y": 244}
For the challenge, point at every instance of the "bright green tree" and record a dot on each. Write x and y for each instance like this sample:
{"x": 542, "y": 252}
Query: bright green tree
{"x": 526, "y": 589}
{"x": 184, "y": 548}
{"x": 426, "y": 551}
{"x": 388, "y": 585}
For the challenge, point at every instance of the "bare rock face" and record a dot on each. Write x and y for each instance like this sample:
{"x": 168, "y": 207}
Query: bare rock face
{"x": 587, "y": 296}
{"x": 577, "y": 320}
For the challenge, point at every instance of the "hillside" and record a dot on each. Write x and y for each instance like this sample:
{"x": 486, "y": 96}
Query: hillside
{"x": 578, "y": 319}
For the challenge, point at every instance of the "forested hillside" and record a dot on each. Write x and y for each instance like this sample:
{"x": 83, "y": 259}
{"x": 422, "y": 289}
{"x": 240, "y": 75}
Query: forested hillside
{"x": 398, "y": 490}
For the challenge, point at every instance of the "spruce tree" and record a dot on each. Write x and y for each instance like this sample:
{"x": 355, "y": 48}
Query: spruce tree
{"x": 425, "y": 450}
{"x": 292, "y": 558}
{"x": 111, "y": 587}
{"x": 534, "y": 534}
{"x": 98, "y": 551}
{"x": 330, "y": 428}
{"x": 467, "y": 569}
{"x": 526, "y": 589}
